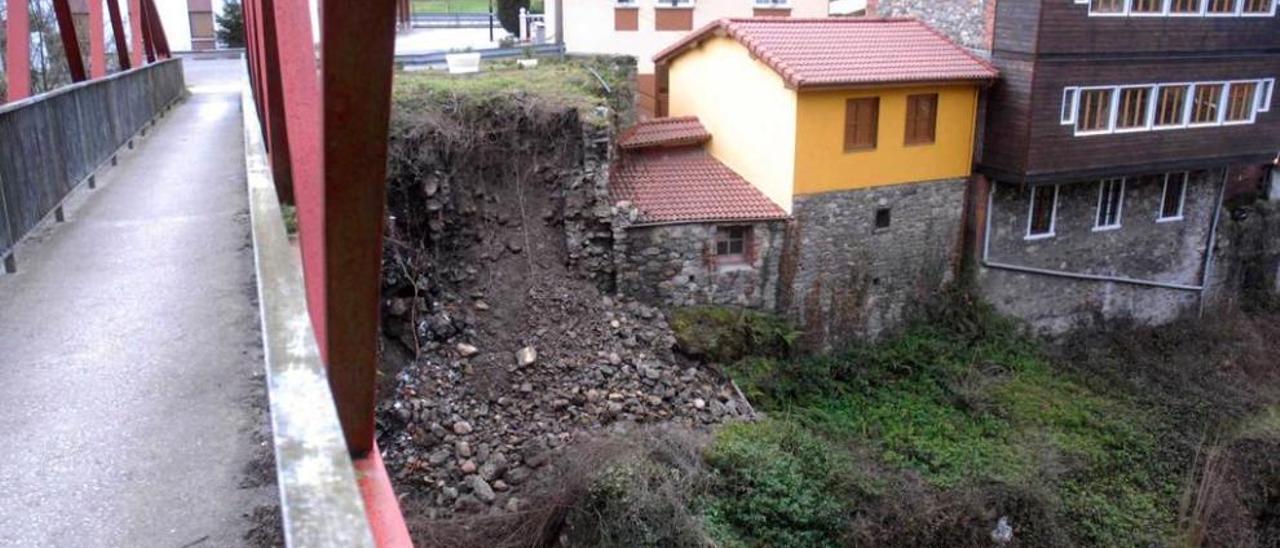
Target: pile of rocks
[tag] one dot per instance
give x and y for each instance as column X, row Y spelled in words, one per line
column 470, row 425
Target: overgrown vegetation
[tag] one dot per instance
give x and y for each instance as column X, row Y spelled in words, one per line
column 725, row 335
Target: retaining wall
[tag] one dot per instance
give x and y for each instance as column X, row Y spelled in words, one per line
column 51, row 142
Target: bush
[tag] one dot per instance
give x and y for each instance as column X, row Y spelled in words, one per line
column 726, row 335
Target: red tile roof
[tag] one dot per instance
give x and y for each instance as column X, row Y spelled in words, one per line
column 686, row 184
column 843, row 51
column 683, row 130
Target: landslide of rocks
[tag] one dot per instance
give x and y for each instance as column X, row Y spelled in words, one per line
column 503, row 344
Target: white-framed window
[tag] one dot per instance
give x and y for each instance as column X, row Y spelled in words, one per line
column 1069, row 105
column 1098, row 110
column 674, row 3
column 773, row 3
column 1180, row 8
column 1110, row 204
column 1173, row 198
column 1042, row 212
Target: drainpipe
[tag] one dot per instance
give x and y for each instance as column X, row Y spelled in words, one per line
column 986, row 251
column 1213, row 240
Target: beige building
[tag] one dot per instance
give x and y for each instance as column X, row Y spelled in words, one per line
column 642, row 28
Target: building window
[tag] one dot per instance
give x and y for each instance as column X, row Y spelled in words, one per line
column 1264, row 94
column 1206, row 104
column 1173, row 197
column 1133, row 109
column 1043, row 212
column 861, row 123
column 1094, row 112
column 883, row 218
column 1180, row 8
column 922, row 119
column 1107, row 6
column 1222, row 7
column 1185, row 7
column 1069, row 106
column 732, row 243
column 773, row 3
column 1259, row 7
column 1147, row 7
column 1110, row 204
column 1241, row 102
column 1171, row 103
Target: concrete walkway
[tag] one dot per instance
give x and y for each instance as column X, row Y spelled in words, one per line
column 131, row 400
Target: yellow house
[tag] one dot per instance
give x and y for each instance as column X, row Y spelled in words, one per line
column 805, row 106
column 862, row 131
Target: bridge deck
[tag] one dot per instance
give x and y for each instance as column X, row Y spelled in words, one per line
column 130, row 358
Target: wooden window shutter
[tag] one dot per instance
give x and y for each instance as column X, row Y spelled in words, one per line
column 922, row 119
column 861, row 121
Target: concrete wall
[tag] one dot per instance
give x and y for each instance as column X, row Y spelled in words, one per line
column 675, row 265
column 54, row 141
column 842, row 278
column 589, row 25
column 1141, row 249
column 822, row 164
column 746, row 107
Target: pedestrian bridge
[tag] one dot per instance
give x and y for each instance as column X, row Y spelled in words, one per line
column 162, row 378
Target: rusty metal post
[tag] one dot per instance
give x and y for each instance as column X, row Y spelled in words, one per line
column 117, row 32
column 17, row 57
column 356, row 65
column 97, row 40
column 161, row 43
column 70, row 44
column 276, row 135
column 138, row 48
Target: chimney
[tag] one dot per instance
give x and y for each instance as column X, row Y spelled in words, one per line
column 989, row 20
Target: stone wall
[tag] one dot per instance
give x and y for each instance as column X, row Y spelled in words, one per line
column 1246, row 259
column 843, row 278
column 675, row 265
column 1141, row 249
column 963, row 21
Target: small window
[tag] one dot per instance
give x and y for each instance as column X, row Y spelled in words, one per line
column 1240, row 101
column 1106, row 6
column 1147, row 7
column 861, row 123
column 1264, row 94
column 1134, row 104
column 1110, row 204
column 1185, row 7
column 1173, row 197
column 1171, row 103
column 1069, row 106
column 1044, row 210
column 1222, row 7
column 883, row 218
column 1094, row 110
column 1254, row 7
column 922, row 119
column 731, row 243
column 1206, row 103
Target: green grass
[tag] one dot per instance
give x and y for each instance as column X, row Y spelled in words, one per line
column 965, row 412
column 463, row 6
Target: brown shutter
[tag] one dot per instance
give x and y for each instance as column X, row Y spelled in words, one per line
column 861, row 120
column 922, row 119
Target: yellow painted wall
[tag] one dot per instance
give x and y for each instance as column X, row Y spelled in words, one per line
column 748, row 110
column 822, row 165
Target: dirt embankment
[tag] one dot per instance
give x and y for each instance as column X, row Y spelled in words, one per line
column 501, row 346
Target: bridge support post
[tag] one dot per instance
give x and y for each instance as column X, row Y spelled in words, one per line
column 10, row 264
column 70, row 44
column 135, row 32
column 17, row 59
column 97, row 41
column 117, row 32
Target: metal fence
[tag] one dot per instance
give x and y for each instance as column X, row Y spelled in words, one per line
column 455, row 20
column 437, row 59
column 52, row 142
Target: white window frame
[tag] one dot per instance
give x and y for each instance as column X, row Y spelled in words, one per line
column 1115, row 116
column 1186, row 100
column 1182, row 198
column 1102, row 193
column 1222, row 104
column 772, row 4
column 673, row 4
column 1053, row 214
column 1111, row 114
column 1070, row 96
column 1167, row 10
column 1253, row 108
column 1266, row 87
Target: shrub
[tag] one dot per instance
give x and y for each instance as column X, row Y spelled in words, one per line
column 726, row 335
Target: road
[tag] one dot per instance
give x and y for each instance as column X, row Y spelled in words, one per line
column 131, row 399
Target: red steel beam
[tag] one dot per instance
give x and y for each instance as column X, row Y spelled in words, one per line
column 117, row 32
column 70, row 44
column 157, row 30
column 17, row 55
column 137, row 48
column 274, row 105
column 356, row 63
column 97, row 41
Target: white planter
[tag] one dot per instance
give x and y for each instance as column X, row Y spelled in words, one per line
column 527, row 63
column 463, row 63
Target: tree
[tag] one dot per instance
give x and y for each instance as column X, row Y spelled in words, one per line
column 231, row 24
column 509, row 14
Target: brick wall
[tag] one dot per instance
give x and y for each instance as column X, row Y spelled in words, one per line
column 844, row 278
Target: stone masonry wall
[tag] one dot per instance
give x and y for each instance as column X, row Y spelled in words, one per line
column 675, row 265
column 843, row 278
column 1143, row 249
column 963, row 21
